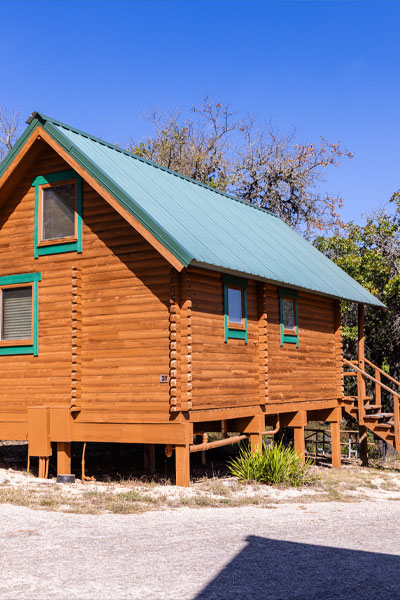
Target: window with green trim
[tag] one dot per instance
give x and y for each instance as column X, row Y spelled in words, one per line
column 235, row 308
column 288, row 316
column 19, row 314
column 58, row 213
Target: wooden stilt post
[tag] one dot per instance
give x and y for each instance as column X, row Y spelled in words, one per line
column 182, row 465
column 361, row 388
column 363, row 445
column 63, row 458
column 257, row 427
column 42, row 466
column 255, row 441
column 299, row 442
column 335, row 440
column 150, row 458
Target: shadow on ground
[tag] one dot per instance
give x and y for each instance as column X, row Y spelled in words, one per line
column 108, row 462
column 275, row 570
column 115, row 462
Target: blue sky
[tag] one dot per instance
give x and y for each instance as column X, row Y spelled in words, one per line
column 326, row 68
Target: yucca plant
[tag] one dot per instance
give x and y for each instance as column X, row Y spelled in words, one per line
column 274, row 464
column 248, row 466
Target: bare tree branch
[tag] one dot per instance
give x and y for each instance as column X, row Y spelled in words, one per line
column 9, row 125
column 248, row 159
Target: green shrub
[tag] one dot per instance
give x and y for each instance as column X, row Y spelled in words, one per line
column 272, row 465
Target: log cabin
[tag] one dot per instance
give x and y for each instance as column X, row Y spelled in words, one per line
column 140, row 306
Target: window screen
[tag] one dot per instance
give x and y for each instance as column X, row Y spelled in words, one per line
column 17, row 313
column 288, row 314
column 235, row 309
column 58, row 212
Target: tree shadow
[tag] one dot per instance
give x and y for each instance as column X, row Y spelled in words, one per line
column 278, row 570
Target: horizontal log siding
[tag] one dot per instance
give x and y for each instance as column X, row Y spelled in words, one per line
column 223, row 374
column 309, row 372
column 125, row 318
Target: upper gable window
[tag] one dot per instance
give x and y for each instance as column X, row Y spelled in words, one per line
column 58, row 213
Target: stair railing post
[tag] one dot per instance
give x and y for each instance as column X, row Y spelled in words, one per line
column 361, row 387
column 396, row 411
column 361, row 364
column 378, row 389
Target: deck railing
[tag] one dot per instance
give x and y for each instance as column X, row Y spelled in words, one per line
column 362, row 375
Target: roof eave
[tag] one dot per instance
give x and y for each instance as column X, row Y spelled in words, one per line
column 376, row 304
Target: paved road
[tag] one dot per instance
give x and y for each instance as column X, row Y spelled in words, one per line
column 316, row 552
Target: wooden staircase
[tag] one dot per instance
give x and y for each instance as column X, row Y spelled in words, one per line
column 367, row 410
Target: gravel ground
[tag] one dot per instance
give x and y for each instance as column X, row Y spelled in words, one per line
column 315, row 551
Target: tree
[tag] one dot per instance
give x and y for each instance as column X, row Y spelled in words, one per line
column 9, row 125
column 371, row 255
column 248, row 159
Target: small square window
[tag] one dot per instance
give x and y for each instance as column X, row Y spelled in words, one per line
column 19, row 314
column 288, row 316
column 58, row 212
column 16, row 313
column 235, row 308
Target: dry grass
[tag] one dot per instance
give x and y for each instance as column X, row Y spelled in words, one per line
column 350, row 484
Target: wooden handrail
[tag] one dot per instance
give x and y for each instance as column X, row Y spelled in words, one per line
column 385, row 387
column 361, row 410
column 382, row 372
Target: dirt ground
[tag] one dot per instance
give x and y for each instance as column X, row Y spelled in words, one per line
column 320, row 551
column 130, row 538
column 120, row 490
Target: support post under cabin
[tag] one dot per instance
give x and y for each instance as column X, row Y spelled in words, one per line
column 182, row 465
column 257, row 428
column 299, row 442
column 63, row 458
column 363, row 444
column 150, row 458
column 335, row 439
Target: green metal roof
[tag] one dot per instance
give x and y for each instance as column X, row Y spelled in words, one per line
column 198, row 224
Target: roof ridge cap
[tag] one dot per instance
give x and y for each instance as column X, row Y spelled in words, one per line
column 43, row 118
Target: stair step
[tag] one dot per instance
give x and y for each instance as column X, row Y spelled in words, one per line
column 379, row 416
column 355, row 399
column 372, row 406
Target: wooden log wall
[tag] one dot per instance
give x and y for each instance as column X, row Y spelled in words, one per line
column 309, row 372
column 122, row 300
column 225, row 375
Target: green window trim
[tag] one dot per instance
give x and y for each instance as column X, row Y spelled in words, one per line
column 238, row 334
column 75, row 246
column 33, row 278
column 285, row 338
